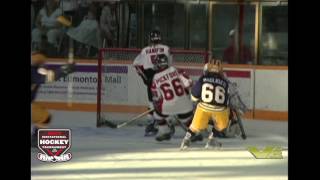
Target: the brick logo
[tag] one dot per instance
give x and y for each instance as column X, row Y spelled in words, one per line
column 54, row 143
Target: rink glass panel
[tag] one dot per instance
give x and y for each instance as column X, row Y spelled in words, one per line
column 274, row 34
column 191, row 24
column 198, row 26
column 167, row 17
column 227, row 17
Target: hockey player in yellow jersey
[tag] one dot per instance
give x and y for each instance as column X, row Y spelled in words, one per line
column 211, row 94
column 41, row 75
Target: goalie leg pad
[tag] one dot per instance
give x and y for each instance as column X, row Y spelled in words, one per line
column 164, row 120
column 165, row 131
column 151, row 128
column 159, row 117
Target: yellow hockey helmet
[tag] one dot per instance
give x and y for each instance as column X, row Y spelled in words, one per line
column 213, row 66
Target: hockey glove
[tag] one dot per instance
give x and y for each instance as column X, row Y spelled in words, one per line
column 65, row 70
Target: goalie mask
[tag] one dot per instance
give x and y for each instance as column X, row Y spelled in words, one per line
column 213, row 66
column 162, row 62
column 155, row 36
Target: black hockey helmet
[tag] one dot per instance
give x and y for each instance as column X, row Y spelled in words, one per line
column 155, row 36
column 162, row 62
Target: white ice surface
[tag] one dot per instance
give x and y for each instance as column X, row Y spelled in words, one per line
column 104, row 153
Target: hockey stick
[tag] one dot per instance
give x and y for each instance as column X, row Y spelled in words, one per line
column 117, row 126
column 183, row 126
column 234, row 108
column 70, row 61
column 243, row 104
column 68, row 23
column 243, row 133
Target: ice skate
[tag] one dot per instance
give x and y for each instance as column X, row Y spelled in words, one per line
column 151, row 129
column 186, row 141
column 197, row 137
column 212, row 143
column 164, row 133
column 162, row 137
column 185, row 144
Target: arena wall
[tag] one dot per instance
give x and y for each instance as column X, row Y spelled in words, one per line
column 264, row 89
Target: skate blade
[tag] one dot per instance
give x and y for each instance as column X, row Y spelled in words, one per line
column 218, row 146
column 151, row 134
column 183, row 148
column 160, row 140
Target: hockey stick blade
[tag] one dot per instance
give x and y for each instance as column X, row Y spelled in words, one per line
column 135, row 118
column 109, row 124
column 117, row 126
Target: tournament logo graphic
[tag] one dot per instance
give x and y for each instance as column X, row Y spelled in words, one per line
column 54, row 143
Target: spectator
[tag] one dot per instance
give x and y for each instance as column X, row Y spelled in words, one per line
column 86, row 32
column 230, row 54
column 82, row 11
column 114, row 25
column 68, row 6
column 47, row 27
column 70, row 9
column 32, row 16
column 108, row 25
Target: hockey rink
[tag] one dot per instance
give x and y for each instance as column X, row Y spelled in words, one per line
column 104, row 153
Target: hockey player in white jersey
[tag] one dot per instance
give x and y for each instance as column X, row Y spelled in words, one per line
column 144, row 64
column 171, row 97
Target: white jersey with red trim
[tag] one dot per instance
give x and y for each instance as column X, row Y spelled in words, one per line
column 170, row 89
column 148, row 55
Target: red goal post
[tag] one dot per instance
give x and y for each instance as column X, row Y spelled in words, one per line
column 114, row 64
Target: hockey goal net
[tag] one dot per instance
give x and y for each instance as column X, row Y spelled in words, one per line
column 121, row 93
